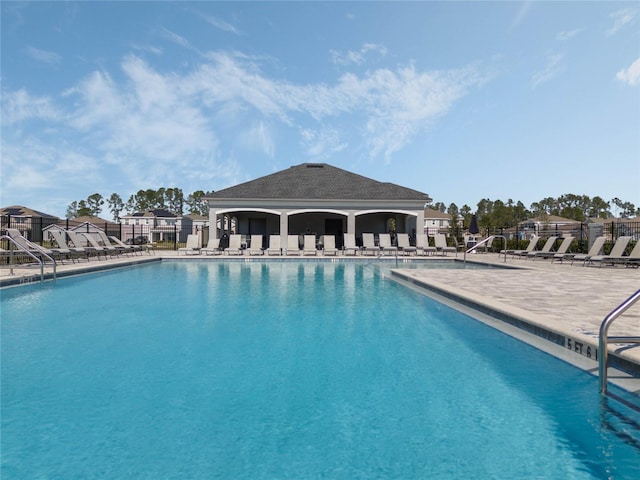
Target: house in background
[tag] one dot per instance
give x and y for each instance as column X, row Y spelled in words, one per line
column 29, row 222
column 436, row 221
column 157, row 225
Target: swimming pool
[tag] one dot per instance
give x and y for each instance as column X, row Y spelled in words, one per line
column 284, row 370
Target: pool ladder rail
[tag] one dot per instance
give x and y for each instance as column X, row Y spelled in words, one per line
column 484, row 242
column 604, row 338
column 34, row 248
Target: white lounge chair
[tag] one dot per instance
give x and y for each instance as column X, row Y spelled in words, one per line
column 596, row 249
column 562, row 249
column 79, row 241
column 274, row 245
column 293, row 245
column 108, row 245
column 384, row 240
column 350, row 244
column 441, row 245
column 96, row 246
column 309, row 247
column 35, row 249
column 546, row 248
column 60, row 238
column 533, row 241
column 192, row 247
column 132, row 248
column 235, row 245
column 369, row 245
column 631, row 260
column 212, row 248
column 422, row 245
column 404, row 245
column 329, row 246
column 616, row 251
column 256, row 245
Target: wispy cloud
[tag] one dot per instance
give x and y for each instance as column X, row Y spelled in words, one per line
column 551, row 70
column 43, row 56
column 621, row 18
column 356, row 57
column 320, row 144
column 220, row 24
column 631, row 75
column 153, row 126
column 174, row 37
column 19, row 106
column 568, row 34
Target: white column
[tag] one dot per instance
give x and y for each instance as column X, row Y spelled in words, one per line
column 420, row 221
column 351, row 223
column 284, row 228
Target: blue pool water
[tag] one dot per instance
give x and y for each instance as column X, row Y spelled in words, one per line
column 210, row 370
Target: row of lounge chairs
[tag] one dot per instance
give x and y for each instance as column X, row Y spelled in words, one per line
column 592, row 258
column 369, row 247
column 73, row 246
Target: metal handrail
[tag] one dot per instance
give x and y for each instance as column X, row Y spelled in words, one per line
column 604, row 339
column 35, row 247
column 485, row 241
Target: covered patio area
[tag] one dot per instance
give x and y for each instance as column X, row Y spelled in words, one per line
column 316, row 199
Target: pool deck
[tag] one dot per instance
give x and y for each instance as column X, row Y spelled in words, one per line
column 562, row 303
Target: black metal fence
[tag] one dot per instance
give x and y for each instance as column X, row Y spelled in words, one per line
column 35, row 230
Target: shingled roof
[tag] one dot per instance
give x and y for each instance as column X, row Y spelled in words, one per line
column 318, row 181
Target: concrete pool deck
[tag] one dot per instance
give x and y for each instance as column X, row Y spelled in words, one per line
column 563, row 301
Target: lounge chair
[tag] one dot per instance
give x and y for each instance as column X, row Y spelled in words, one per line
column 369, row 245
column 107, row 243
column 403, row 244
column 192, row 247
column 533, row 241
column 235, row 245
column 37, row 250
column 384, row 240
column 309, row 247
column 329, row 246
column 616, row 252
column 256, row 245
column 132, row 248
column 596, row 249
column 546, row 248
column 441, row 244
column 212, row 248
column 60, row 238
column 80, row 241
column 274, row 245
column 631, row 260
column 562, row 249
column 96, row 246
column 422, row 245
column 350, row 244
column 293, row 245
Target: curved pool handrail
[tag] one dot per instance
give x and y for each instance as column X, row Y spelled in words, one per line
column 604, row 339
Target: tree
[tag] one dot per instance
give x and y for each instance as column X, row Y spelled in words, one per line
column 116, row 205
column 439, row 206
column 72, row 210
column 94, row 204
column 196, row 204
column 84, row 210
column 174, row 200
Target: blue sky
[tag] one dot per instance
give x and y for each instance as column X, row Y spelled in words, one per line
column 460, row 100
